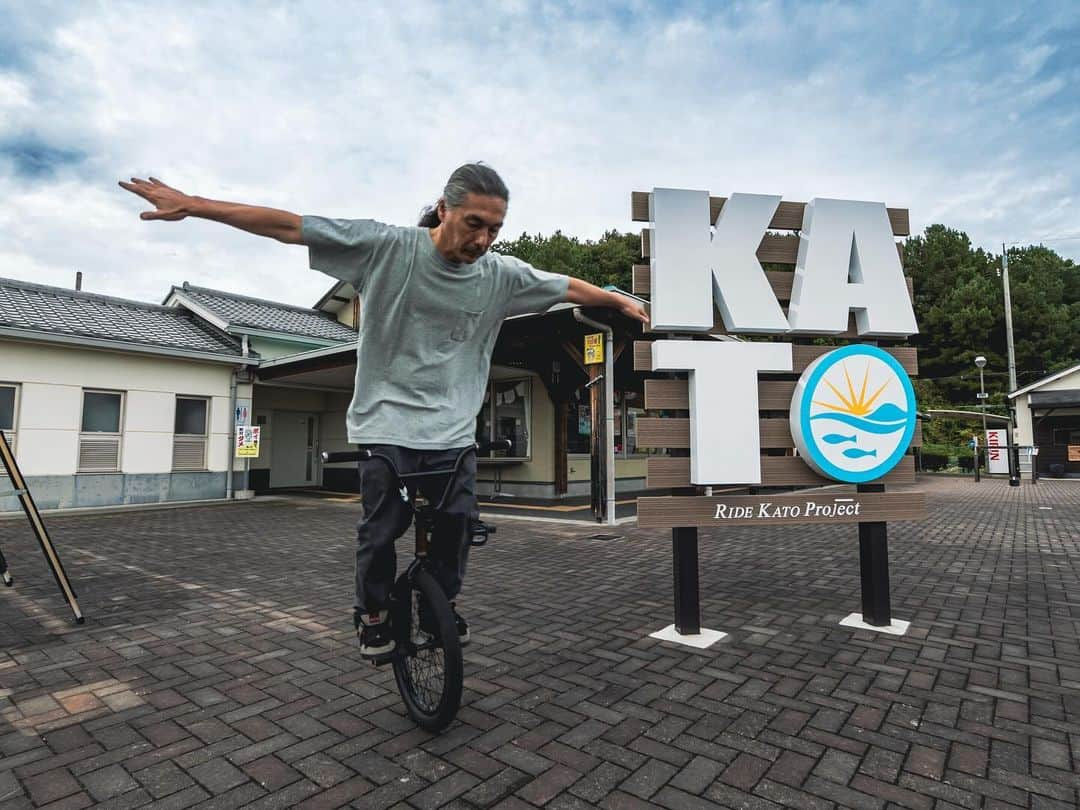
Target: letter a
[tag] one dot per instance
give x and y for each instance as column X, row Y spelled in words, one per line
column 848, row 262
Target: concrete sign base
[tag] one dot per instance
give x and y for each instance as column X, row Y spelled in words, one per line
column 702, row 640
column 895, row 628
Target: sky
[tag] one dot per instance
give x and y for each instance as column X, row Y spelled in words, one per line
column 967, row 114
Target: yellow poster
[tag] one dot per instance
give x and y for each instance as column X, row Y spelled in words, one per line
column 594, row 348
column 247, row 441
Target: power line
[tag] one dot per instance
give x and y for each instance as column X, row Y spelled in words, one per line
column 1041, row 239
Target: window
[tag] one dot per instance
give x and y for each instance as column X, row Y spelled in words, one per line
column 7, row 417
column 507, row 414
column 578, row 425
column 1066, row 436
column 189, row 433
column 99, row 441
column 7, row 408
column 627, row 412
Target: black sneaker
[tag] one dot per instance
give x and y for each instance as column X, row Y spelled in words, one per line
column 374, row 631
column 427, row 623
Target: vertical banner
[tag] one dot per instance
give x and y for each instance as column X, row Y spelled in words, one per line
column 996, row 454
column 247, row 442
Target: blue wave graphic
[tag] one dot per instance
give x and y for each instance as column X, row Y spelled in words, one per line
column 888, row 413
column 867, row 424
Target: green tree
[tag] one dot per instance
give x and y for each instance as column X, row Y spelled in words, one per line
column 959, row 304
column 608, row 260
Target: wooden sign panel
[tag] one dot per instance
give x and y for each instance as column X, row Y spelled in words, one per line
column 1074, row 452
column 762, row 510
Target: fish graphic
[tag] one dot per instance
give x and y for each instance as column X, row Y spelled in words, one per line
column 855, row 452
column 836, row 438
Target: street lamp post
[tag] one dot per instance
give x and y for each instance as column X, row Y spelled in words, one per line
column 980, row 362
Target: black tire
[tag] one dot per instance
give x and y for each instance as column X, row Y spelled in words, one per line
column 428, row 669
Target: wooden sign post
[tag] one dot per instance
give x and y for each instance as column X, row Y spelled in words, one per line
column 824, row 414
column 7, row 458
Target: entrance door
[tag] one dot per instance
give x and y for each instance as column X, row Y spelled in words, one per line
column 295, row 447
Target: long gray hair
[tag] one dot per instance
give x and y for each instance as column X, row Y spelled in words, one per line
column 472, row 178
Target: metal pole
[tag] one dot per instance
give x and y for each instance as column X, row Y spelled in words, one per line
column 684, row 547
column 976, row 450
column 1008, row 318
column 230, row 459
column 1013, row 456
column 609, row 405
column 874, row 568
column 982, row 400
column 982, row 407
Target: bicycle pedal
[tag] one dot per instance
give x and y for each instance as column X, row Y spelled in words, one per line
column 379, row 660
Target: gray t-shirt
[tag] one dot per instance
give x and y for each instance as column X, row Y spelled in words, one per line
column 427, row 327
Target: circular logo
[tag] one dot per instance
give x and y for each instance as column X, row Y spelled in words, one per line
column 853, row 414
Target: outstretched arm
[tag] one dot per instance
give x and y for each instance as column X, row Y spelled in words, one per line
column 171, row 204
column 589, row 295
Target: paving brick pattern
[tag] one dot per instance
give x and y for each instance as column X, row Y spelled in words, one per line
column 217, row 668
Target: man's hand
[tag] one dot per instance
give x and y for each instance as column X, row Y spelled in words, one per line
column 172, row 204
column 169, row 203
column 589, row 295
column 633, row 309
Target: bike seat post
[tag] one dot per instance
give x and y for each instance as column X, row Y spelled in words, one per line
column 422, row 523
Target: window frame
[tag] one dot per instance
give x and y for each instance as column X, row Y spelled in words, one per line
column 206, row 418
column 11, row 434
column 102, row 434
column 14, row 429
column 204, row 437
column 489, row 401
column 120, row 419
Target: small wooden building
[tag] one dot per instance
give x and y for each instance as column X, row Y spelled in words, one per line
column 1048, row 418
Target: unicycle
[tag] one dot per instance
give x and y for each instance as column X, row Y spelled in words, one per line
column 426, row 658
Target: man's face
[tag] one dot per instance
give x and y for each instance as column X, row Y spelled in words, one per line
column 470, row 229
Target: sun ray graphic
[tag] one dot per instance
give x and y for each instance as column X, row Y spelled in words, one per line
column 855, row 404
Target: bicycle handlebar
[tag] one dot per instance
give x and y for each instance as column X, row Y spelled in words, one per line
column 364, row 455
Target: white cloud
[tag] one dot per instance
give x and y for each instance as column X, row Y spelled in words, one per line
column 362, row 110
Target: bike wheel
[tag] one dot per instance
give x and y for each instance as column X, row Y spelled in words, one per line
column 427, row 666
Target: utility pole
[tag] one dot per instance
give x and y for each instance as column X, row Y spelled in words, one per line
column 1008, row 317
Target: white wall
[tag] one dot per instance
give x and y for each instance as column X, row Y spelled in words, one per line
column 329, row 405
column 52, row 379
column 1024, row 428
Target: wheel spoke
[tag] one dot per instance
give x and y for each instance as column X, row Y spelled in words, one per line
column 426, row 668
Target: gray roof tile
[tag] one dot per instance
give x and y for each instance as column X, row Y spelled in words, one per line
column 57, row 310
column 256, row 313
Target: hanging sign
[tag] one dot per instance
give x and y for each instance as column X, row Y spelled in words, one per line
column 997, row 459
column 594, row 348
column 247, row 442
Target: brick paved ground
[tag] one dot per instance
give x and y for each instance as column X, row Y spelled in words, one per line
column 217, row 667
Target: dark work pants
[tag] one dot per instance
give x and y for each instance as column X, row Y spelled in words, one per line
column 387, row 515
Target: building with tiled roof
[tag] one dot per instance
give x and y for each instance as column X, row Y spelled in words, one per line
column 272, row 328
column 110, row 401
column 59, row 315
